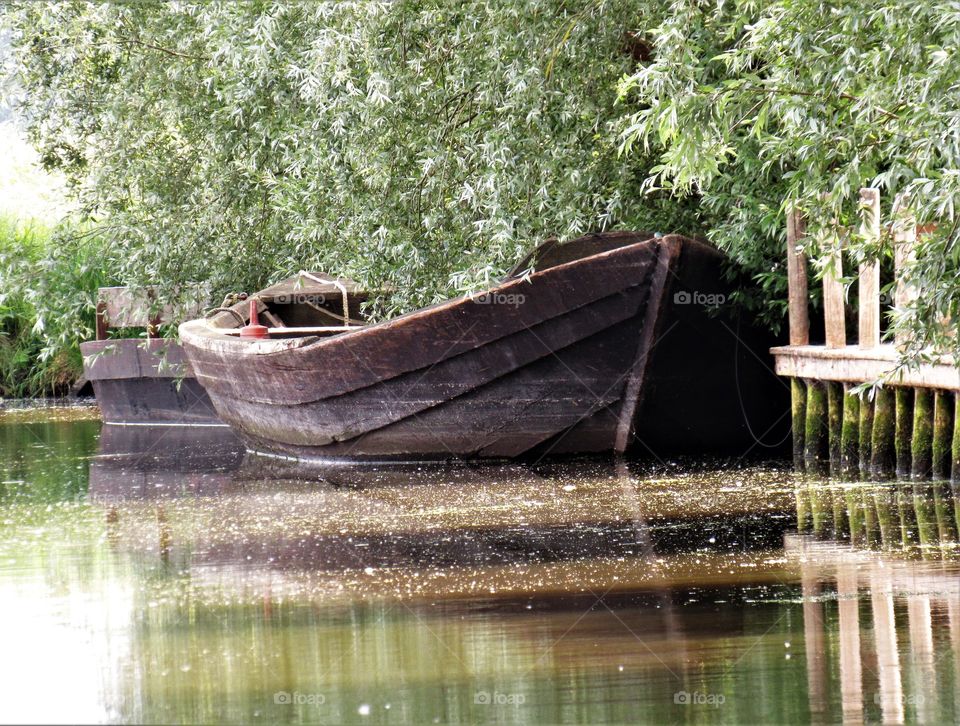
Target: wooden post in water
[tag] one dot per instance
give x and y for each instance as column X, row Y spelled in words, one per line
column 922, row 434
column 942, row 434
column 866, row 434
column 883, row 462
column 799, row 323
column 904, row 431
column 834, row 423
column 850, row 434
column 815, row 431
column 870, row 272
column 798, row 408
column 955, row 464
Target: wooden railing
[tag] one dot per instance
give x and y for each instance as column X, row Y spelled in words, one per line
column 907, row 425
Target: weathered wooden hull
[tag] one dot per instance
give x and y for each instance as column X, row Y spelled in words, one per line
column 140, row 381
column 557, row 363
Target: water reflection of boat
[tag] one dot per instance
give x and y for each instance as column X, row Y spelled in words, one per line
column 460, row 532
column 148, row 462
column 615, row 339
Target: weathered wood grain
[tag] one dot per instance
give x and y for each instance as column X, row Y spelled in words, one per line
column 554, row 362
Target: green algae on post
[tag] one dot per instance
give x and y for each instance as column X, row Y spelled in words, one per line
column 798, row 410
column 834, row 423
column 866, row 432
column 904, row 433
column 850, row 435
column 942, row 433
column 922, row 448
column 815, row 430
column 883, row 459
column 955, row 458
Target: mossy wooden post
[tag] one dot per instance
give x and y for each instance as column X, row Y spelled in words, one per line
column 942, row 434
column 904, row 431
column 883, row 461
column 834, row 424
column 922, row 433
column 866, row 434
column 799, row 322
column 850, row 434
column 798, row 398
column 815, row 436
column 955, row 464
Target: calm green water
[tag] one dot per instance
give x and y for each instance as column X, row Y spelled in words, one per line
column 157, row 575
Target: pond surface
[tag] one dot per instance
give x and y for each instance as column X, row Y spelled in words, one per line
column 163, row 575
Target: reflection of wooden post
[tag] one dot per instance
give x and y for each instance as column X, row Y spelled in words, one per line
column 882, row 499
column 851, row 669
column 871, row 522
column 885, row 637
column 797, row 280
column 921, row 648
column 953, row 614
column 904, row 252
column 870, row 272
column 813, row 639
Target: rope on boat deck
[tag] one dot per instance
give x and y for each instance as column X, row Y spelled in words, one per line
column 233, row 312
column 340, row 286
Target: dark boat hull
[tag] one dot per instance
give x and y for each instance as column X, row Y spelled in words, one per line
column 556, row 364
column 139, row 381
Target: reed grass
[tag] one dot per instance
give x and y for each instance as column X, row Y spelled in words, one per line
column 48, row 282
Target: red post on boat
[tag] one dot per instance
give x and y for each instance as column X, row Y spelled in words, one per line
column 253, row 329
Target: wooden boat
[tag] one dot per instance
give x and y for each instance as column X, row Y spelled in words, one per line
column 609, row 345
column 141, row 380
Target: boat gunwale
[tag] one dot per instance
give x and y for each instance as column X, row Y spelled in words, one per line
column 198, row 332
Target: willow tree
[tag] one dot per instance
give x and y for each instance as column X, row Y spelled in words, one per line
column 418, row 145
column 756, row 105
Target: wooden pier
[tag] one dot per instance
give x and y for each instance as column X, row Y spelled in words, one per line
column 908, row 427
